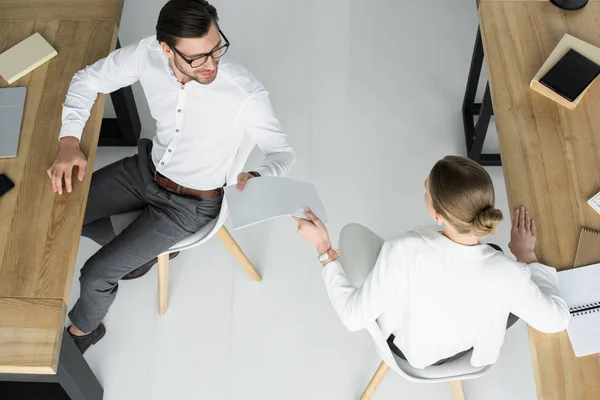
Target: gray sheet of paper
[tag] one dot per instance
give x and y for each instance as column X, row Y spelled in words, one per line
column 266, row 198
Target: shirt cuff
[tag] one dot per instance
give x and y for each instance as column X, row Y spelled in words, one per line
column 71, row 129
column 263, row 170
column 331, row 268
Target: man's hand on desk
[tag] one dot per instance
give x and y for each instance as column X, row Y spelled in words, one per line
column 244, row 177
column 69, row 156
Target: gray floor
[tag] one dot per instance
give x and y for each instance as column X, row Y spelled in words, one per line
column 370, row 94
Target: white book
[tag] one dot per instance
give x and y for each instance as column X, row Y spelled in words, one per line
column 266, row 198
column 580, row 288
column 24, row 57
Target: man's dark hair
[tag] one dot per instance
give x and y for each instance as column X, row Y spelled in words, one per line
column 185, row 19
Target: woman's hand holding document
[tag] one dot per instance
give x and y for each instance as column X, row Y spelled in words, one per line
column 266, row 198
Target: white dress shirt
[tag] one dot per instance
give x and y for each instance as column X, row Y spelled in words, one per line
column 198, row 127
column 440, row 298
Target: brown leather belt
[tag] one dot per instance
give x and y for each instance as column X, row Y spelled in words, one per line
column 185, row 191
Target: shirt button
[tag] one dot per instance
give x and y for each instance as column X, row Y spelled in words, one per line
column 179, row 110
column 182, row 88
column 170, row 150
column 162, row 163
column 177, row 130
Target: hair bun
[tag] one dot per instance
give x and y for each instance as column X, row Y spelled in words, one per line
column 486, row 222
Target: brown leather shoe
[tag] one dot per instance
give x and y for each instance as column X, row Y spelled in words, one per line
column 143, row 270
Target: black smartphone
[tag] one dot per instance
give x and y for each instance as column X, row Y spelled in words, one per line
column 5, row 184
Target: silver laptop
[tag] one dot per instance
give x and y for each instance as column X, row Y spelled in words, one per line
column 12, row 103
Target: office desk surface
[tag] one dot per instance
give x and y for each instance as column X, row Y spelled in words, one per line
column 40, row 231
column 550, row 157
column 61, row 10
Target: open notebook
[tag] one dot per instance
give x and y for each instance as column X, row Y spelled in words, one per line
column 580, row 288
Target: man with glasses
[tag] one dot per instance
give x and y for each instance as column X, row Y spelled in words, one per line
column 203, row 107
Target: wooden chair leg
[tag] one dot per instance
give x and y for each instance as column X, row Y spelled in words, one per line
column 229, row 242
column 163, row 283
column 457, row 390
column 375, row 381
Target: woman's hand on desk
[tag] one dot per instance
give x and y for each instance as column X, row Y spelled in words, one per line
column 69, row 156
column 522, row 236
column 314, row 231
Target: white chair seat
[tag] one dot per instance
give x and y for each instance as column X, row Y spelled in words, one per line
column 195, row 239
column 459, row 369
column 122, row 221
column 214, row 227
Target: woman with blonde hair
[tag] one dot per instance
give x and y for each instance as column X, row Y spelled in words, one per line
column 439, row 294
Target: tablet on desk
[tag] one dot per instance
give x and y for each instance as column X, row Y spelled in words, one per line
column 12, row 103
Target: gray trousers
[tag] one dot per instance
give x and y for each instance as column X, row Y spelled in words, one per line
column 166, row 218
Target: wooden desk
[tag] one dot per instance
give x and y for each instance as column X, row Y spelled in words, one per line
column 39, row 231
column 550, row 157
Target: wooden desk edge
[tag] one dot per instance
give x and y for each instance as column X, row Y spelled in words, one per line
column 62, row 10
column 537, row 377
column 20, row 329
column 20, row 370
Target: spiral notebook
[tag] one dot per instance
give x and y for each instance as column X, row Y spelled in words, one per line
column 580, row 288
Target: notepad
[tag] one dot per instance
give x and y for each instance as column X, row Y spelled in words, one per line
column 580, row 288
column 588, row 248
column 24, row 57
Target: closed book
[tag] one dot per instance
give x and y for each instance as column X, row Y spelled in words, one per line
column 24, row 57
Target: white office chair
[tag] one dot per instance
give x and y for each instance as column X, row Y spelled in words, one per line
column 359, row 249
column 215, row 227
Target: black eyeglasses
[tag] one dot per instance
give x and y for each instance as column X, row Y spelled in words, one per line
column 200, row 60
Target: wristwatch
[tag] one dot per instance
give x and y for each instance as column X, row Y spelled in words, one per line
column 330, row 255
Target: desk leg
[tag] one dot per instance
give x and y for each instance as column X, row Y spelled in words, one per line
column 475, row 133
column 485, row 114
column 73, row 381
column 75, row 375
